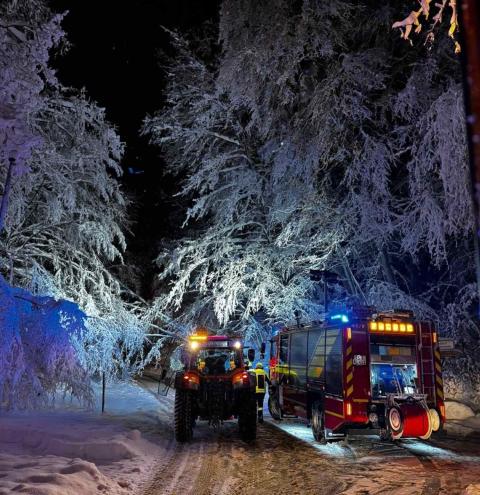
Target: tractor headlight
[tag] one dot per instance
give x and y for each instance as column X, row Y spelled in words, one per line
column 194, row 345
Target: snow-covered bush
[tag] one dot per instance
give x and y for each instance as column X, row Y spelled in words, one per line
column 39, row 358
column 12, row 359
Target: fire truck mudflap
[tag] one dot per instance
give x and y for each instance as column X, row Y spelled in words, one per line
column 368, row 370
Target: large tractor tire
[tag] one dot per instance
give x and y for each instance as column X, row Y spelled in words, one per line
column 247, row 418
column 183, row 416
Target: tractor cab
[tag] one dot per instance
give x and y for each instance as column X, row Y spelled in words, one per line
column 214, row 354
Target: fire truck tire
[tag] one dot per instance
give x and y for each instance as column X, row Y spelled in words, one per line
column 318, row 422
column 184, row 420
column 274, row 407
column 394, row 422
column 247, row 418
column 434, row 419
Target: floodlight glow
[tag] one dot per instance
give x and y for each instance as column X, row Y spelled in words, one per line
column 342, row 318
column 237, row 345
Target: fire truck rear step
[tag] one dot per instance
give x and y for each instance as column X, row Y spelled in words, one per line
column 362, row 432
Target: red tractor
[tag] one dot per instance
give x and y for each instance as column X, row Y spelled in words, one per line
column 214, row 386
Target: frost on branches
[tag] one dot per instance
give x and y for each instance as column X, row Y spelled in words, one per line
column 316, row 140
column 63, row 214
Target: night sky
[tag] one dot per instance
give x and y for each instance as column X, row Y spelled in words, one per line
column 115, row 52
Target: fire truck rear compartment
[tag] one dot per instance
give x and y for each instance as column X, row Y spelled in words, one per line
column 366, row 375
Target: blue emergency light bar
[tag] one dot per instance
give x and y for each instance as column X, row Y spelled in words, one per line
column 342, row 318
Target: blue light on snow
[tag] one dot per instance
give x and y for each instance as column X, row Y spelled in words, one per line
column 342, row 318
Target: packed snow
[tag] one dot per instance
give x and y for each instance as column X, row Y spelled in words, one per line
column 68, row 452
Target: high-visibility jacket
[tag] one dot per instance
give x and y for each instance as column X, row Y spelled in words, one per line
column 261, row 379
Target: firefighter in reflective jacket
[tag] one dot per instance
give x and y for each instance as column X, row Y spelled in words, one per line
column 261, row 388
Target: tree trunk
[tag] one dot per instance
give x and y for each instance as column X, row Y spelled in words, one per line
column 6, row 193
column 347, row 276
column 386, row 268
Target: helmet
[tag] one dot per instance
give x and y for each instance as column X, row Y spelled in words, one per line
column 259, row 366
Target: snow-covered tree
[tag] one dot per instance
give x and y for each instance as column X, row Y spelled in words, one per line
column 254, row 255
column 63, row 220
column 24, row 74
column 315, row 139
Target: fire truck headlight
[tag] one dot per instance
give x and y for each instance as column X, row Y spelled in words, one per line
column 373, row 417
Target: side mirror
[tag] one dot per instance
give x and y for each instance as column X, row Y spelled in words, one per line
column 262, row 350
column 251, row 355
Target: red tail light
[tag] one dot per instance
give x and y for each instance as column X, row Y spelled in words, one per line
column 191, row 380
column 241, row 379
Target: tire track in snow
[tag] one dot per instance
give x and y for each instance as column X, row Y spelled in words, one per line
column 287, row 462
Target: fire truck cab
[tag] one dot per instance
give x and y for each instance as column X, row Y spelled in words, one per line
column 359, row 369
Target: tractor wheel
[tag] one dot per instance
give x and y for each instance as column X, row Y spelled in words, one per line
column 318, row 423
column 247, row 418
column 184, row 420
column 274, row 406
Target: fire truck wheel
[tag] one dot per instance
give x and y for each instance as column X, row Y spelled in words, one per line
column 247, row 418
column 395, row 422
column 274, row 407
column 318, row 422
column 183, row 416
column 434, row 419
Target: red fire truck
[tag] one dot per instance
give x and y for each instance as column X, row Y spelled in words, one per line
column 360, row 369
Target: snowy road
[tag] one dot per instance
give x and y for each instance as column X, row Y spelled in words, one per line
column 286, row 460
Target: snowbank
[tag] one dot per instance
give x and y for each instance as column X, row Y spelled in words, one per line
column 69, row 452
column 457, row 410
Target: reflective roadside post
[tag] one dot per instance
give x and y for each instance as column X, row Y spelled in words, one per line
column 103, row 392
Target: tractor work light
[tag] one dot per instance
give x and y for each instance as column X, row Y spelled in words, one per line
column 194, row 345
column 382, row 326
